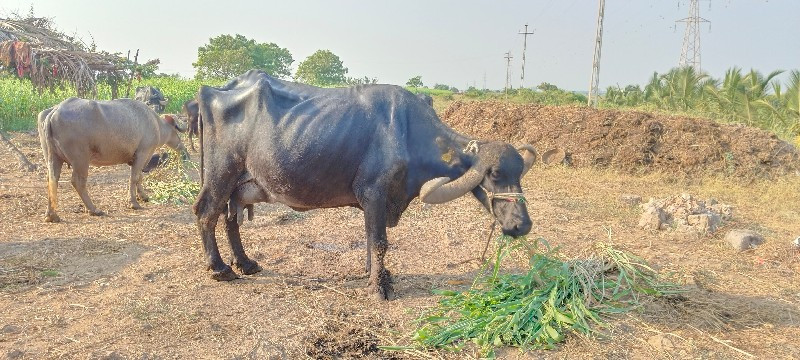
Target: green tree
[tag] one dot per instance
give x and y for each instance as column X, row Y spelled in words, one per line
column 415, row 82
column 322, row 68
column 441, row 87
column 227, row 56
column 547, row 87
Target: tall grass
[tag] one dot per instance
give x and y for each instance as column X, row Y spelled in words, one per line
column 20, row 102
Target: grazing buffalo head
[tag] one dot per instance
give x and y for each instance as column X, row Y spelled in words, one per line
column 169, row 129
column 494, row 179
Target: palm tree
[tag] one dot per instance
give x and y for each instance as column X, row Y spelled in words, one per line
column 791, row 100
column 683, row 89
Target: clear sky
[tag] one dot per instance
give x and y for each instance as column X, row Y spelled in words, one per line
column 453, row 42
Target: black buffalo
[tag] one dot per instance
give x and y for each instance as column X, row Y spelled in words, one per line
column 425, row 98
column 374, row 147
column 191, row 110
column 152, row 96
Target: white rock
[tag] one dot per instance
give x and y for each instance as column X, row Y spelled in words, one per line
column 653, row 218
column 744, row 239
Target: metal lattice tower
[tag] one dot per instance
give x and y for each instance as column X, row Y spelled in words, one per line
column 690, row 52
column 595, row 82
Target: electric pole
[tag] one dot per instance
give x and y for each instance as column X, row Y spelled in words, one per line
column 508, row 58
column 690, row 52
column 524, row 47
column 595, row 81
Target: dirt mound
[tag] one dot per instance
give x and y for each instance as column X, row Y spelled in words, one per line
column 631, row 141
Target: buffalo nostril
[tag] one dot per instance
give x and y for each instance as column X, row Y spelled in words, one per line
column 523, row 228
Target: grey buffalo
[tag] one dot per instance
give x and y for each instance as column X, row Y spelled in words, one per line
column 86, row 132
column 373, row 147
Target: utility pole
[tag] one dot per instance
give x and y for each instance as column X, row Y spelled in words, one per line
column 524, row 47
column 508, row 58
column 690, row 52
column 484, row 81
column 595, row 81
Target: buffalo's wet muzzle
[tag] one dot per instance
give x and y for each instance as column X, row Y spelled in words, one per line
column 518, row 228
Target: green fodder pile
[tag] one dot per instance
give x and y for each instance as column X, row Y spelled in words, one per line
column 171, row 182
column 537, row 308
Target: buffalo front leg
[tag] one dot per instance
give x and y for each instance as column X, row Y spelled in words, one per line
column 54, row 165
column 80, row 172
column 244, row 264
column 208, row 209
column 139, row 161
column 380, row 282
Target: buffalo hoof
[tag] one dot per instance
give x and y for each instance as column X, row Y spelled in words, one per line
column 96, row 213
column 136, row 207
column 52, row 218
column 383, row 293
column 249, row 267
column 381, row 288
column 225, row 274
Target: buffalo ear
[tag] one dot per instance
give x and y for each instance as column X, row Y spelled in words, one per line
column 529, row 156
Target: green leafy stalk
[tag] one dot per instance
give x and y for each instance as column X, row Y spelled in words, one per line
column 537, row 309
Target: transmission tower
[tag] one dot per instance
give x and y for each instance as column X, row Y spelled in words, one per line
column 595, row 82
column 690, row 52
column 524, row 47
column 508, row 58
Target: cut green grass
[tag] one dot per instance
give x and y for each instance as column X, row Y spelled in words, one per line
column 537, row 309
column 170, row 183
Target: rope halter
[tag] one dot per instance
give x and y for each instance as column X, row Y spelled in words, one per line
column 508, row 196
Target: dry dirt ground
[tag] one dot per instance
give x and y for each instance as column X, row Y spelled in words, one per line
column 132, row 284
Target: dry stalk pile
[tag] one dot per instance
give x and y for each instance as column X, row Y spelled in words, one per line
column 30, row 48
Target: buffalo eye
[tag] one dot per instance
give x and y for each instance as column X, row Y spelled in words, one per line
column 494, row 174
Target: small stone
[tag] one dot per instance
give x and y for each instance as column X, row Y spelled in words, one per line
column 796, row 243
column 661, row 343
column 631, row 200
column 11, row 329
column 15, row 354
column 744, row 239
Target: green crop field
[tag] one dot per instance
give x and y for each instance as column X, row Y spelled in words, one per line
column 20, row 102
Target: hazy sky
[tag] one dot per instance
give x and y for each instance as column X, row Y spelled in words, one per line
column 453, row 42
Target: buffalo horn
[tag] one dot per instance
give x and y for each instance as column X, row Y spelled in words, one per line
column 441, row 190
column 528, row 157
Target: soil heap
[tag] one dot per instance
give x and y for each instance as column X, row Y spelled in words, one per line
column 631, row 141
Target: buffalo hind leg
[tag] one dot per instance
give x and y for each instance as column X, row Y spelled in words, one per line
column 54, row 165
column 208, row 208
column 380, row 281
column 240, row 261
column 80, row 172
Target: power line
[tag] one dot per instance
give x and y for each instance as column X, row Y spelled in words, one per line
column 595, row 81
column 690, row 51
column 524, row 48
